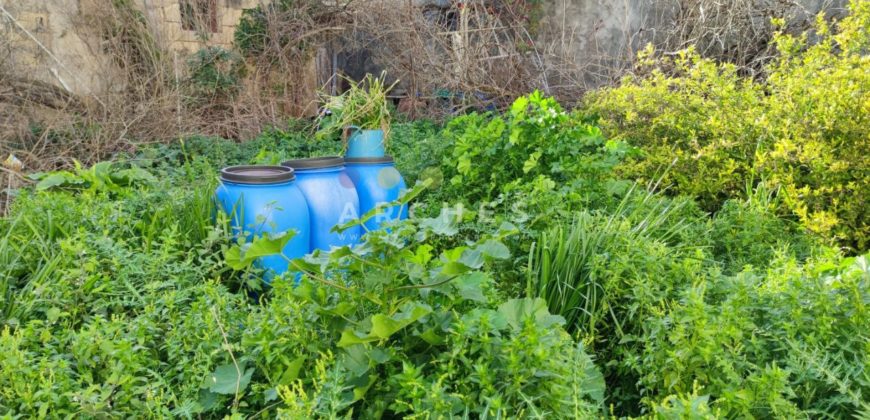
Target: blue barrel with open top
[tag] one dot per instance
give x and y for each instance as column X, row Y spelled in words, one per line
column 265, row 199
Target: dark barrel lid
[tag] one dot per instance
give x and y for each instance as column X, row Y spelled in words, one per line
column 257, row 174
column 383, row 159
column 314, row 163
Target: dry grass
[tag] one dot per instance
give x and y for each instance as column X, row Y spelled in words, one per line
column 737, row 31
column 481, row 50
column 482, row 54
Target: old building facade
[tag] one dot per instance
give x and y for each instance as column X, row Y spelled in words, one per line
column 52, row 41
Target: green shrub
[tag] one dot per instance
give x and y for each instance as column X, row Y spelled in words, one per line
column 698, row 119
column 566, row 267
column 608, row 274
column 215, row 74
column 121, row 298
column 279, row 25
column 749, row 232
column 414, row 330
column 817, row 117
column 787, row 343
column 537, row 142
column 418, row 147
column 676, row 335
column 803, row 128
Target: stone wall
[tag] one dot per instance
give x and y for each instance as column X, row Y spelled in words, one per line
column 166, row 17
column 50, row 40
column 603, row 36
column 41, row 37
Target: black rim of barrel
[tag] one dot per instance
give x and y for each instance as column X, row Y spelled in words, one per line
column 257, row 174
column 314, row 163
column 383, row 159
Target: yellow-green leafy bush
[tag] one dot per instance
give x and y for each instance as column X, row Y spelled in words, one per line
column 817, row 118
column 690, row 112
column 804, row 128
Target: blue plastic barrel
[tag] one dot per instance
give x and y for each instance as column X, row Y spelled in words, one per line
column 377, row 181
column 365, row 143
column 332, row 200
column 266, row 199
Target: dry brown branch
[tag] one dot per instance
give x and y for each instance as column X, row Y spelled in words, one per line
column 450, row 56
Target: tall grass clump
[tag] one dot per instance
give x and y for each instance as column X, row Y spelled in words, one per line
column 564, row 263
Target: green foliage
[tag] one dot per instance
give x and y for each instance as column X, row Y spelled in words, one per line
column 803, row 128
column 419, row 332
column 102, row 177
column 363, row 106
column 567, row 267
column 547, row 288
column 748, row 232
column 698, row 120
column 421, row 147
column 680, row 336
column 786, row 343
column 537, row 145
column 260, row 28
column 251, row 35
column 215, row 74
column 817, row 118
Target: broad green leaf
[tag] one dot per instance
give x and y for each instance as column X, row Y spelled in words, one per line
column 593, row 381
column 463, row 166
column 445, row 224
column 307, row 263
column 36, row 176
column 360, row 391
column 432, row 337
column 423, row 254
column 383, row 326
column 495, row 319
column 516, row 311
column 412, row 312
column 58, row 179
column 228, row 380
column 470, row 285
column 131, row 176
column 340, row 252
column 472, row 258
column 341, row 309
column 292, row 372
column 350, row 337
column 102, row 169
column 379, row 356
column 507, row 228
column 240, row 257
column 270, row 394
column 453, row 254
column 454, row 268
column 233, row 258
column 356, row 359
column 520, row 106
column 207, row 400
column 494, row 249
column 531, row 162
column 269, row 244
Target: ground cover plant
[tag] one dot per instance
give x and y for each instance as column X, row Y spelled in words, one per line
column 557, row 265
